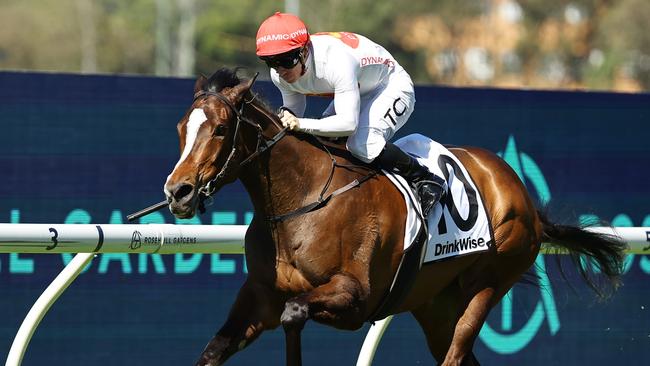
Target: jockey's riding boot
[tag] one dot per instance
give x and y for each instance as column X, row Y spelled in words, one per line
column 429, row 187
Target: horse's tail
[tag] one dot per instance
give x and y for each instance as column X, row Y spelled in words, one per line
column 607, row 252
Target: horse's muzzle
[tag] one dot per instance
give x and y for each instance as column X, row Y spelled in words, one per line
column 183, row 199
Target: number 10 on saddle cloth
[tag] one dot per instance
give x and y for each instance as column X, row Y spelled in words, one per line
column 458, row 225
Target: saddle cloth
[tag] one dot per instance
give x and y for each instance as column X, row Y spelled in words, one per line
column 459, row 224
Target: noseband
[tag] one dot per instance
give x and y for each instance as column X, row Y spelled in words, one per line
column 263, row 143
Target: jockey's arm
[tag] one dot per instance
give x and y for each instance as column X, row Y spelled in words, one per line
column 347, row 102
column 343, row 123
column 296, row 102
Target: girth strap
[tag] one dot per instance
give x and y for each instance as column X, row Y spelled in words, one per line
column 408, row 269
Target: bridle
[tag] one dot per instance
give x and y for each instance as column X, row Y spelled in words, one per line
column 263, row 143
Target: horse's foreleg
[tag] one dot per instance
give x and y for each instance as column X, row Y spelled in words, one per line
column 252, row 313
column 336, row 303
column 293, row 320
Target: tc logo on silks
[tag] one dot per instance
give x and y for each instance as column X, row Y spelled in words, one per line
column 512, row 342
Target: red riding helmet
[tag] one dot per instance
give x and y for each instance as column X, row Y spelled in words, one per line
column 280, row 33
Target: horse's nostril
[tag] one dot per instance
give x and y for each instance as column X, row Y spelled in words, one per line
column 182, row 191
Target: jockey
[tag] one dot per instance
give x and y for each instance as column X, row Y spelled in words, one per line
column 373, row 94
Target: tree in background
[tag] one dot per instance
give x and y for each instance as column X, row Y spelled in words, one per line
column 625, row 42
column 108, row 36
column 174, row 43
column 596, row 44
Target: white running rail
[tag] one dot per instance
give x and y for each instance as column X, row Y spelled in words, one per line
column 118, row 238
column 89, row 239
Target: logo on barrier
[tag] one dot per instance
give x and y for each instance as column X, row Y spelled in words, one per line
column 136, row 240
column 647, row 238
column 510, row 342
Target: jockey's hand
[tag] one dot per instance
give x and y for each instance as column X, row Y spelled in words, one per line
column 289, row 120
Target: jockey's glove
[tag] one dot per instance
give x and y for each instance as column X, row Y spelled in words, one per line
column 289, row 119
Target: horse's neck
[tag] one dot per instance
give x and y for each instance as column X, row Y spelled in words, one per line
column 288, row 176
column 284, row 177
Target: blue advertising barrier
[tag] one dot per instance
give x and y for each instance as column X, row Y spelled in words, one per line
column 90, row 149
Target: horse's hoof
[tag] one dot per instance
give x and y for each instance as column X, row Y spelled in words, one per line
column 215, row 352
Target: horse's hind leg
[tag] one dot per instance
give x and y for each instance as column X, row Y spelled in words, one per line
column 453, row 319
column 252, row 313
column 438, row 320
column 468, row 327
column 482, row 286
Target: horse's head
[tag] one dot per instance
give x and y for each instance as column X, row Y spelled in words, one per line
column 208, row 135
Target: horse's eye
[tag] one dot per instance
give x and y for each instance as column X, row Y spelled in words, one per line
column 220, row 130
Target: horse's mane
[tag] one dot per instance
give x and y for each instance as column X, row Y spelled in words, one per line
column 221, row 79
column 228, row 78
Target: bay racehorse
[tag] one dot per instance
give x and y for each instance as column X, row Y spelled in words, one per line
column 331, row 258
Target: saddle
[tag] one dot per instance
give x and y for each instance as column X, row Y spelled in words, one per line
column 458, row 225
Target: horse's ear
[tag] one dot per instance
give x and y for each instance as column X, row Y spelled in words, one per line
column 236, row 93
column 200, row 82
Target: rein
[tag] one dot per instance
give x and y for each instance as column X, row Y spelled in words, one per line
column 322, row 199
column 264, row 144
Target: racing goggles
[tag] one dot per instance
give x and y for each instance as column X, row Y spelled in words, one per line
column 287, row 60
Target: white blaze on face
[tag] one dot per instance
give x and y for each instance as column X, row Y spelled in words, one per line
column 197, row 117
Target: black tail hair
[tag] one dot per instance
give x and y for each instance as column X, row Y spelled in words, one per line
column 608, row 251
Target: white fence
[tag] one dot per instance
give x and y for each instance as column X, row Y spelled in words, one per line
column 89, row 240
column 118, row 238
